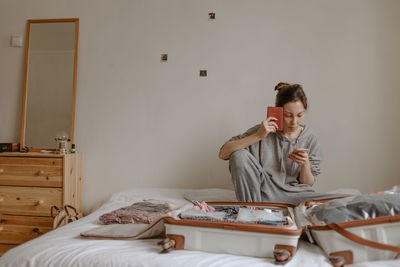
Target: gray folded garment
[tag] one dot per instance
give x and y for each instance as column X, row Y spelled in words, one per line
column 360, row 207
column 257, row 216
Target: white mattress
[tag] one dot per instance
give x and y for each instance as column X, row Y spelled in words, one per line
column 64, row 246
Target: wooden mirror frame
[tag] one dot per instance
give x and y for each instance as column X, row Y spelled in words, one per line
column 25, row 90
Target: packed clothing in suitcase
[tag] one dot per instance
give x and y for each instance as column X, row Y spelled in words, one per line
column 350, row 229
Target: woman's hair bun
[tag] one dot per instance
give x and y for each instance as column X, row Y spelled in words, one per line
column 280, row 85
column 289, row 93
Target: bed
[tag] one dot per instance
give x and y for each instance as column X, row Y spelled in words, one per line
column 65, row 247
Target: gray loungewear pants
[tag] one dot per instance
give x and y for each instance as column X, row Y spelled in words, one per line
column 253, row 184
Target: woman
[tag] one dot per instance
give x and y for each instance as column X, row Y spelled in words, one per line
column 263, row 162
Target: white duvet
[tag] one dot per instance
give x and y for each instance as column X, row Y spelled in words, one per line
column 65, row 247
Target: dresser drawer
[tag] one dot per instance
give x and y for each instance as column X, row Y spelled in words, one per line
column 19, row 229
column 31, row 171
column 18, row 200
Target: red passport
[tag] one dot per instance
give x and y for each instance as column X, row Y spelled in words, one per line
column 276, row 112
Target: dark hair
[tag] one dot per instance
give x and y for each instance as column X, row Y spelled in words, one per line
column 289, row 93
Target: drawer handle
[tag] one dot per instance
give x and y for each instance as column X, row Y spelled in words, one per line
column 36, row 230
column 41, row 172
column 40, row 202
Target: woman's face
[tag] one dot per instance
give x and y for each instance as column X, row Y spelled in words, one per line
column 293, row 115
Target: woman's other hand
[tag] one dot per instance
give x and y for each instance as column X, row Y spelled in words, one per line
column 267, row 126
column 300, row 157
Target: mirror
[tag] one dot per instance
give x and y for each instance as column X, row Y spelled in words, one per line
column 48, row 108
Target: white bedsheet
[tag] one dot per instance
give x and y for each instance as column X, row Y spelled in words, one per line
column 64, row 246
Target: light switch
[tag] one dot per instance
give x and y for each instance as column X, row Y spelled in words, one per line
column 16, row 41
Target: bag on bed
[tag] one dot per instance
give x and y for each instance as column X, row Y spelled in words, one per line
column 355, row 229
column 64, row 216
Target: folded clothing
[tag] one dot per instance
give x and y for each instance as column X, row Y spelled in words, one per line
column 262, row 216
column 236, row 214
column 360, row 207
column 231, row 212
column 194, row 214
column 140, row 212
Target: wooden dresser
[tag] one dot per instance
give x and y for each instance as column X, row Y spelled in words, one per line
column 30, row 183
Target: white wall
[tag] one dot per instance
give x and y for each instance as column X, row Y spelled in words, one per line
column 141, row 122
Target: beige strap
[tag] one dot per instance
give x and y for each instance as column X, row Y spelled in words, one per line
column 53, row 209
column 63, row 216
column 75, row 214
column 58, row 223
column 362, row 241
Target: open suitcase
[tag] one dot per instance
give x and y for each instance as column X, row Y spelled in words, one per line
column 234, row 237
column 354, row 241
column 344, row 243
